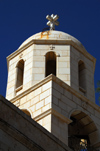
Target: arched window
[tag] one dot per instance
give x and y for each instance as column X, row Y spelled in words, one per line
column 50, row 63
column 20, row 72
column 82, row 75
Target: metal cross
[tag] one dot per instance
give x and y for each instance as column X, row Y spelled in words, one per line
column 52, row 21
column 51, row 47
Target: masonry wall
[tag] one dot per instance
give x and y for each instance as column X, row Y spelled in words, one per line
column 27, row 56
column 19, row 132
column 34, row 67
column 51, row 103
column 76, row 56
column 37, row 102
column 66, row 101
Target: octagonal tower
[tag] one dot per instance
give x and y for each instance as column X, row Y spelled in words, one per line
column 51, row 79
column 70, row 62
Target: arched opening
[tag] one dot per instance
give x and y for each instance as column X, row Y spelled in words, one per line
column 26, row 112
column 20, row 73
column 80, row 131
column 50, row 63
column 82, row 75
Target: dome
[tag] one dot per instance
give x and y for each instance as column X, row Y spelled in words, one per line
column 52, row 35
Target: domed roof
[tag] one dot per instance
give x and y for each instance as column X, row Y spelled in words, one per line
column 52, row 35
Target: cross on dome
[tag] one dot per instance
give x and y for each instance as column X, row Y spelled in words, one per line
column 52, row 21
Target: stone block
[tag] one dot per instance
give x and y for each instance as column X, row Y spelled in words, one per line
column 47, row 127
column 63, row 59
column 39, row 105
column 63, row 77
column 35, row 100
column 55, row 100
column 39, row 64
column 27, row 104
column 36, row 113
column 77, row 100
column 56, row 93
column 37, row 70
column 46, row 107
column 23, row 100
column 37, row 91
column 32, row 108
column 57, row 108
column 48, row 100
column 62, row 64
column 55, row 120
column 38, row 77
column 37, row 52
column 67, row 94
column 62, row 105
column 46, row 86
column 11, row 90
column 56, row 130
column 47, row 120
column 39, row 58
column 57, row 87
column 30, row 95
column 64, row 71
column 44, row 94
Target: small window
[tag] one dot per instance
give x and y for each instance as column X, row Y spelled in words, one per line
column 82, row 76
column 50, row 63
column 20, row 72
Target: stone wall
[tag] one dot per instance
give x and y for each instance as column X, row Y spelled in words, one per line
column 52, row 102
column 19, row 132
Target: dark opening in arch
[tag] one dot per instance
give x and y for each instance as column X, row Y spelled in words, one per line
column 50, row 63
column 20, row 73
column 80, row 130
column 82, row 75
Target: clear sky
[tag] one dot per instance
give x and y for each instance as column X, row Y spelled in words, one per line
column 19, row 19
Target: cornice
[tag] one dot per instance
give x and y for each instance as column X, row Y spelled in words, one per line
column 56, row 42
column 54, row 112
column 62, row 84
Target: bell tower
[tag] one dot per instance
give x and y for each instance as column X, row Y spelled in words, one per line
column 51, row 79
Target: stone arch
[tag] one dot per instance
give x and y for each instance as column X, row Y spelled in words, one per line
column 82, row 128
column 19, row 61
column 27, row 111
column 19, row 73
column 50, row 63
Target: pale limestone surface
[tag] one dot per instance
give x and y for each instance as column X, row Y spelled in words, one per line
column 19, row 132
column 52, row 35
column 52, row 101
column 33, row 51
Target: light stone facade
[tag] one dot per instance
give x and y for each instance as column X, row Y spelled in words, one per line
column 56, row 101
column 19, row 132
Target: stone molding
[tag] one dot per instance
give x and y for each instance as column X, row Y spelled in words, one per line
column 56, row 42
column 62, row 84
column 53, row 112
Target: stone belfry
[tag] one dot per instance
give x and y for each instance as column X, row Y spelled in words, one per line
column 51, row 79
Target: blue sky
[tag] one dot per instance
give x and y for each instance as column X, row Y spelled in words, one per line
column 19, row 19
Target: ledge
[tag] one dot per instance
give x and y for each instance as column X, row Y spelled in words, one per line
column 62, row 84
column 19, row 88
column 54, row 112
column 56, row 42
column 82, row 90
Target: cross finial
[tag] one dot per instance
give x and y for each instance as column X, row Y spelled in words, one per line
column 52, row 21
